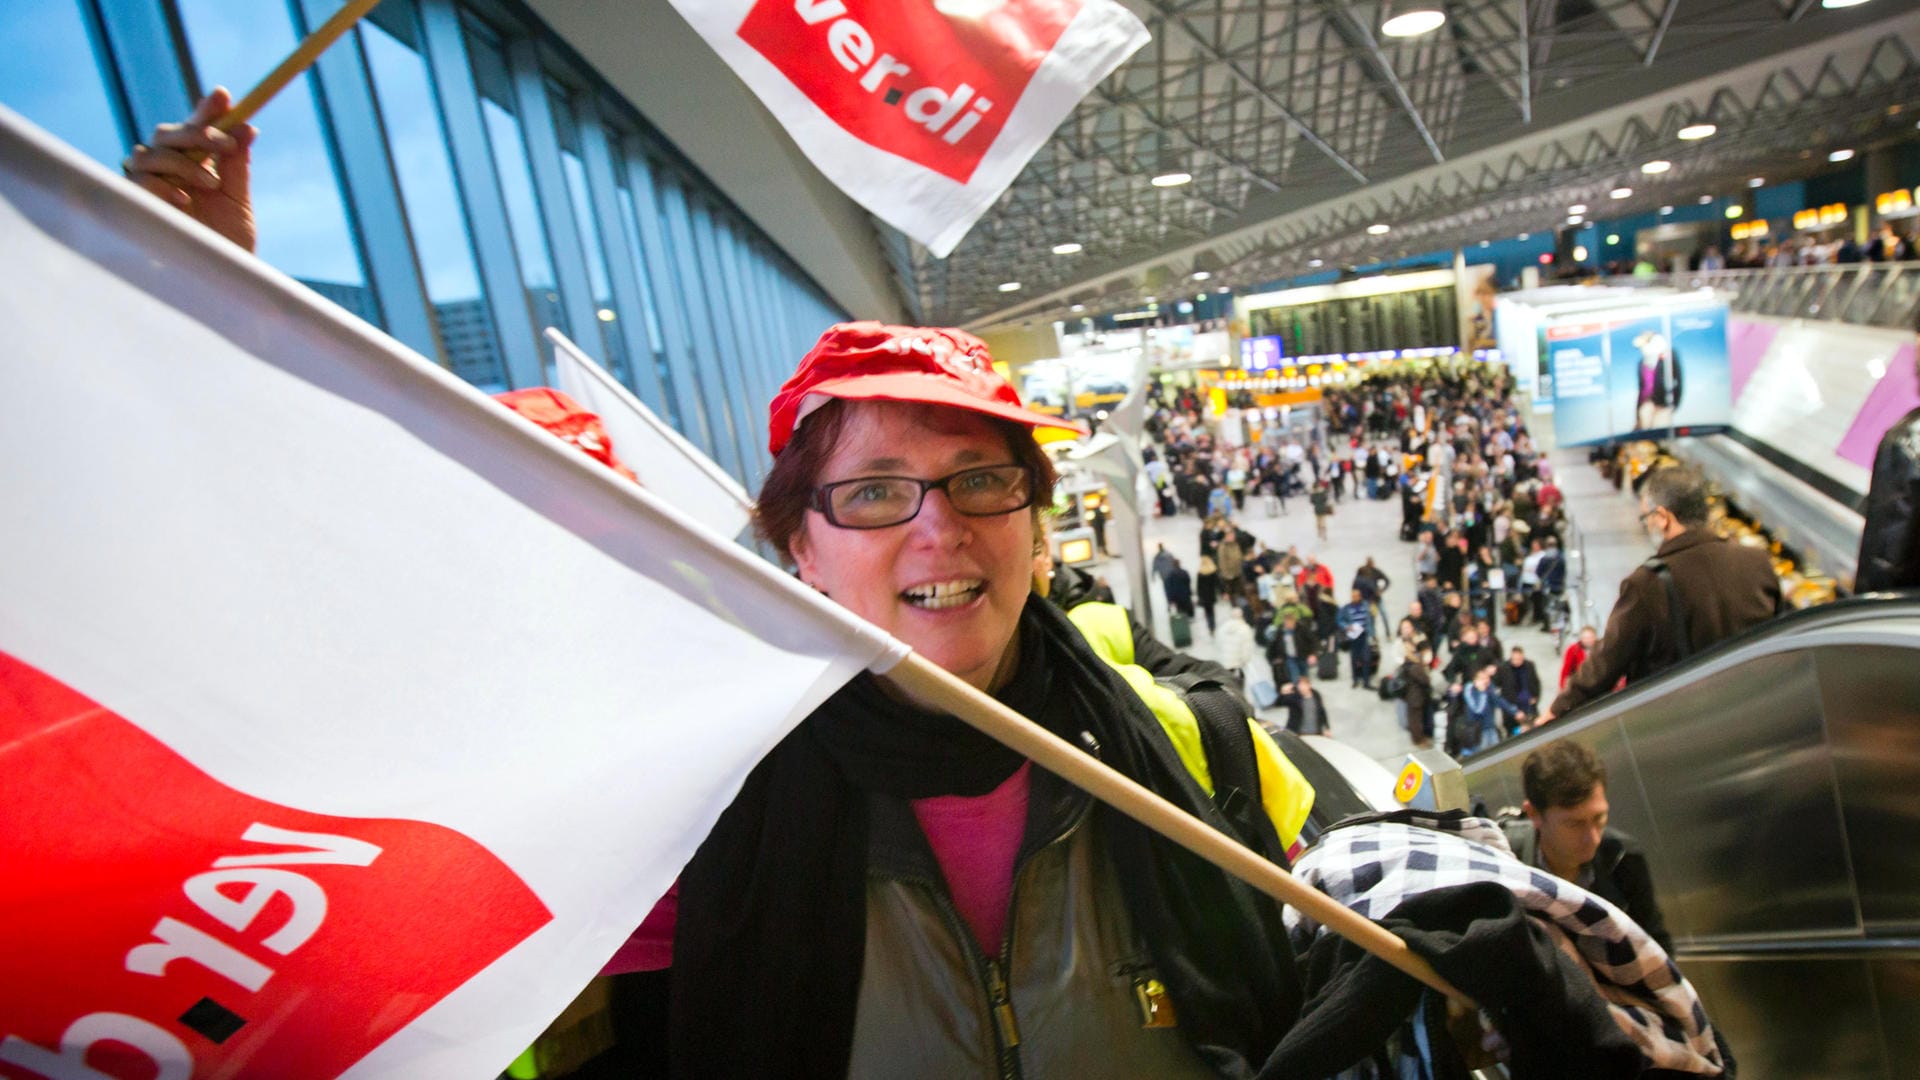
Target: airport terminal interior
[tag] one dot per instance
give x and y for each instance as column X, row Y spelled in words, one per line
column 1381, row 321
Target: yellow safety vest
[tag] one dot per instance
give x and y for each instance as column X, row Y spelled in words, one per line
column 1284, row 792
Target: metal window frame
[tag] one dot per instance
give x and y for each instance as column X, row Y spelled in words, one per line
column 148, row 55
column 505, row 294
column 356, row 139
column 623, row 278
column 566, row 250
column 728, row 314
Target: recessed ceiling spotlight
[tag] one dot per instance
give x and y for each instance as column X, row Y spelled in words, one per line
column 1316, row 262
column 1153, row 299
column 1078, row 307
column 1172, row 179
column 1009, row 286
column 1224, row 289
column 1413, row 23
column 1736, row 210
column 1579, row 253
column 1697, row 131
column 1201, row 275
column 1666, row 210
column 1575, row 219
column 1654, row 168
column 1065, row 249
column 1577, row 209
column 1620, row 193
column 1840, row 155
column 1484, row 243
column 1523, row 236
column 1378, row 228
column 1831, row 4
column 1758, row 181
column 1705, row 199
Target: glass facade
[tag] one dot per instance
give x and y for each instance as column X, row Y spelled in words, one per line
column 449, row 173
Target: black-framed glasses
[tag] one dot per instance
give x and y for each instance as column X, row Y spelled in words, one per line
column 875, row 502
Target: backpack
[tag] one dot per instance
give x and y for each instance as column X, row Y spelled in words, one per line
column 1227, row 739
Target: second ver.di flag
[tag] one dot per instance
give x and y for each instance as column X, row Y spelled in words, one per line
column 922, row 110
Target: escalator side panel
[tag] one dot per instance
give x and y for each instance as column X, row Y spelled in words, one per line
column 1828, row 1005
column 1735, row 767
column 1872, row 700
column 1896, row 992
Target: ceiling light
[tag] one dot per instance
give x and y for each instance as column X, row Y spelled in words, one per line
column 1620, row 193
column 1831, row 4
column 1577, row 209
column 1009, row 286
column 1580, row 253
column 1078, row 307
column 1840, row 155
column 1666, row 210
column 1697, row 131
column 1201, row 275
column 1153, row 299
column 1484, row 243
column 1575, row 219
column 1172, row 179
column 1378, row 228
column 1316, row 262
column 1654, row 168
column 1414, row 23
column 1736, row 210
column 1613, row 238
column 606, row 314
column 1224, row 289
column 1523, row 236
column 1065, row 249
column 1705, row 199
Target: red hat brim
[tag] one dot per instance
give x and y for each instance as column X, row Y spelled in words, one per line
column 927, row 388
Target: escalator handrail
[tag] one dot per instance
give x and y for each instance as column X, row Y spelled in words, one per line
column 1767, row 638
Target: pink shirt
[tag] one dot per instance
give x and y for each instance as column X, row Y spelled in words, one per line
column 974, row 838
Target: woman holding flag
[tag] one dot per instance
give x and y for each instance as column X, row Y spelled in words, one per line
column 892, row 891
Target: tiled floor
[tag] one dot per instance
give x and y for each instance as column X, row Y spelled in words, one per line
column 1361, row 528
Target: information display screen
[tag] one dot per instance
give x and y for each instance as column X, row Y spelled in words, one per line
column 1659, row 373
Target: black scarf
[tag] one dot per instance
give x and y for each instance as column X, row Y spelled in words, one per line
column 772, row 927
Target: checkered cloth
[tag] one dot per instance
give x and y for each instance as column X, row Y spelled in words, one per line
column 1373, row 866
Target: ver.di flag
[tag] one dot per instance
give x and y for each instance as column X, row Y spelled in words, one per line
column 922, row 110
column 348, row 721
column 670, row 466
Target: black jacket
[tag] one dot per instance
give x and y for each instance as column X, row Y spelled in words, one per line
column 1890, row 542
column 1516, row 684
column 1306, row 645
column 1620, row 874
column 1466, row 660
column 1292, row 701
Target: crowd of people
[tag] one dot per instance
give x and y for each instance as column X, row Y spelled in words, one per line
column 1477, row 499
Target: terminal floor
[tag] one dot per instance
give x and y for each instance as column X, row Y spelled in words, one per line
column 1359, row 528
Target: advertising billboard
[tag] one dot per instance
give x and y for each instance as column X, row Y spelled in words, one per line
column 1658, row 372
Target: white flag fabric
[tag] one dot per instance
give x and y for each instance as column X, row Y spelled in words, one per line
column 670, row 466
column 923, row 111
column 348, row 721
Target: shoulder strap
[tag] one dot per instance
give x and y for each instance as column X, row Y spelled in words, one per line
column 1228, row 742
column 1676, row 614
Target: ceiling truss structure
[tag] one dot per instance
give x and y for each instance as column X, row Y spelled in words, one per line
column 1302, row 126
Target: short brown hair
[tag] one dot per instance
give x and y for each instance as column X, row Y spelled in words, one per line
column 1680, row 490
column 788, row 489
column 1563, row 774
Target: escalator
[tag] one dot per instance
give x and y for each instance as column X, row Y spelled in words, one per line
column 1774, row 782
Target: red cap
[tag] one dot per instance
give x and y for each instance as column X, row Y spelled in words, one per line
column 565, row 419
column 871, row 361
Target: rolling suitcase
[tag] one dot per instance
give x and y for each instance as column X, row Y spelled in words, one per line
column 1182, row 628
column 1329, row 665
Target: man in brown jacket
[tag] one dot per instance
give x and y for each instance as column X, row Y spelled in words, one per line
column 1723, row 588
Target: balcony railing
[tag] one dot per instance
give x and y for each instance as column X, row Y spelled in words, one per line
column 1867, row 294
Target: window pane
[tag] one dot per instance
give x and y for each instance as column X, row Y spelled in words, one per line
column 612, row 340
column 630, row 224
column 297, row 201
column 510, row 163
column 52, row 76
column 418, row 145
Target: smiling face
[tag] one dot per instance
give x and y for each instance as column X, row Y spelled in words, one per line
column 948, row 585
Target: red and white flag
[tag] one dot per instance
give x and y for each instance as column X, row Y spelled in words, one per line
column 348, row 721
column 670, row 466
column 922, row 110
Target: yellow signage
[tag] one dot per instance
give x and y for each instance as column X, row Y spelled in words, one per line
column 1073, row 552
column 1408, row 785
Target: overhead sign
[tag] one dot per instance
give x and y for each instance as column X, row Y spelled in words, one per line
column 922, row 110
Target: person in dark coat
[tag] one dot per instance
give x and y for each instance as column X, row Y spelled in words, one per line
column 1469, row 657
column 1306, row 710
column 1179, row 586
column 1209, row 588
column 1890, row 540
column 1519, row 681
column 1565, row 833
column 1723, row 589
column 1416, row 696
column 1292, row 649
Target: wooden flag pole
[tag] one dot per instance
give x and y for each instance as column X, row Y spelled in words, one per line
column 925, row 682
column 299, row 60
